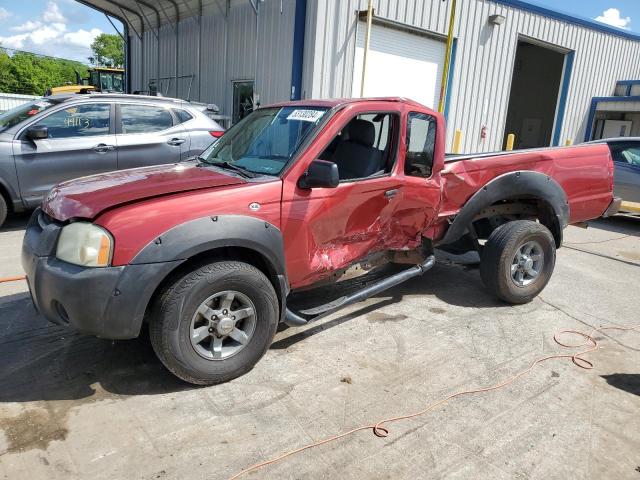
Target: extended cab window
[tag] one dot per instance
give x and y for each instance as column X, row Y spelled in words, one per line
column 421, row 139
column 78, row 121
column 365, row 147
column 144, row 118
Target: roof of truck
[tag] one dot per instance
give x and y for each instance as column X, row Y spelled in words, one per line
column 334, row 102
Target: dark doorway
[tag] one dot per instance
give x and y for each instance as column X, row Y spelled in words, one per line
column 535, row 87
column 242, row 100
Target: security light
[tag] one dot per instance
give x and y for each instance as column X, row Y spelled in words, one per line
column 497, row 19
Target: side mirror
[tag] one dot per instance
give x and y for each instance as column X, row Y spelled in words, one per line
column 38, row 133
column 320, row 173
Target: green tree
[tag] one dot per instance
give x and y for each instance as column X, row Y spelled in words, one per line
column 108, row 50
column 32, row 74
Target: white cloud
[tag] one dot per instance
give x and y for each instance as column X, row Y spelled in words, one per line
column 27, row 26
column 82, row 38
column 53, row 14
column 4, row 13
column 49, row 35
column 612, row 17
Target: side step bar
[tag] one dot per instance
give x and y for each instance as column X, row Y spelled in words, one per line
column 295, row 320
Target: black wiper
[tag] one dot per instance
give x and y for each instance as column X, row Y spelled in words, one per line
column 236, row 168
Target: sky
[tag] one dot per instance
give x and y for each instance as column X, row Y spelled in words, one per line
column 66, row 28
column 623, row 14
column 59, row 28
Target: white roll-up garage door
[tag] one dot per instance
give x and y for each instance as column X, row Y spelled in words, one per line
column 399, row 64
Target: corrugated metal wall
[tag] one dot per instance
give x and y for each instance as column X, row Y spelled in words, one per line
column 216, row 49
column 484, row 60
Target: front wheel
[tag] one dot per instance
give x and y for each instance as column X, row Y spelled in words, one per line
column 214, row 323
column 517, row 261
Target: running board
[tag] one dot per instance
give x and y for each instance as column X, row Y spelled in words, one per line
column 312, row 314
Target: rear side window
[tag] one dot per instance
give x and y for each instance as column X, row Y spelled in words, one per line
column 78, row 121
column 144, row 118
column 421, row 140
column 183, row 115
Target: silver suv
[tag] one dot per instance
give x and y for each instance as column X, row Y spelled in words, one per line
column 57, row 138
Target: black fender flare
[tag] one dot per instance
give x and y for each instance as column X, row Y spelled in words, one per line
column 184, row 241
column 519, row 184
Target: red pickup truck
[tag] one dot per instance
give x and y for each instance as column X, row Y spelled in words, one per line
column 297, row 195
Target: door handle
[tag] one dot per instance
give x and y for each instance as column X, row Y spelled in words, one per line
column 391, row 193
column 103, row 148
column 176, row 141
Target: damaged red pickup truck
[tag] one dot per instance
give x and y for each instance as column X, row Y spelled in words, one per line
column 295, row 196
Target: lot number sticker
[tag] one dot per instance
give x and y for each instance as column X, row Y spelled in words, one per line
column 306, row 115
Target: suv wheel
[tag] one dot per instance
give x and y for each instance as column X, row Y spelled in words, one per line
column 214, row 323
column 4, row 210
column 517, row 261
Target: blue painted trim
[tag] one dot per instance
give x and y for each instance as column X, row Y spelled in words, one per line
column 594, row 107
column 298, row 49
column 628, row 82
column 564, row 93
column 592, row 115
column 585, row 22
column 452, row 66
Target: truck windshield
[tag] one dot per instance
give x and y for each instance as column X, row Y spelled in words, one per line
column 20, row 113
column 265, row 140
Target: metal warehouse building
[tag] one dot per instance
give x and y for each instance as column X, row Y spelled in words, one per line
column 516, row 68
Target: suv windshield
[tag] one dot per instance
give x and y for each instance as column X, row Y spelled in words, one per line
column 265, row 140
column 16, row 115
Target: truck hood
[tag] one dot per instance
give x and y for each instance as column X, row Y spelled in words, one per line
column 87, row 197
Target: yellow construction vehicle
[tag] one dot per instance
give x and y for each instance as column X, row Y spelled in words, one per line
column 101, row 79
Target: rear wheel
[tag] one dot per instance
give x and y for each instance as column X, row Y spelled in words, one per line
column 517, row 261
column 214, row 323
column 4, row 210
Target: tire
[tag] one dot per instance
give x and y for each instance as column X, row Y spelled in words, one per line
column 518, row 280
column 175, row 318
column 4, row 210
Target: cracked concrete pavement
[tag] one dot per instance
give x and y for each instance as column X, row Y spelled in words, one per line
column 74, row 407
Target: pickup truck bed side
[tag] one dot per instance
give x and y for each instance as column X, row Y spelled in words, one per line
column 576, row 176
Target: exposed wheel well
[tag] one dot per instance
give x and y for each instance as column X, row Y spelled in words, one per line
column 521, row 208
column 514, row 208
column 225, row 253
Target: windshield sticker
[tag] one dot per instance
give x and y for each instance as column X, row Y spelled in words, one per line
column 306, row 115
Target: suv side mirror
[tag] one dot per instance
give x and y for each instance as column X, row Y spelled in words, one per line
column 38, row 133
column 320, row 173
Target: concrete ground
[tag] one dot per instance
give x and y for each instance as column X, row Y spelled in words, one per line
column 74, row 407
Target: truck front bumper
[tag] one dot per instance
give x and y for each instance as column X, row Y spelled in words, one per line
column 106, row 302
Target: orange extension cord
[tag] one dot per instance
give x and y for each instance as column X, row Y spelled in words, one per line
column 12, row 279
column 380, row 431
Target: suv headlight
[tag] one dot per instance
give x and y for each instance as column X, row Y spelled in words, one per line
column 85, row 244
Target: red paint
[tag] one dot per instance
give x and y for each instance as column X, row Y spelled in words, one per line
column 88, row 196
column 325, row 229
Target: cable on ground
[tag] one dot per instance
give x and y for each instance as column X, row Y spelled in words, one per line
column 380, row 430
column 12, row 279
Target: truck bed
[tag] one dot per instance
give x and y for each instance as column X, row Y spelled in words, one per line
column 580, row 171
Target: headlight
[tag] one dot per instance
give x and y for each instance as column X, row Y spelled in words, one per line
column 85, row 244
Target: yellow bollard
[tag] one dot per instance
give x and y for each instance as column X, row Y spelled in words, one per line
column 569, row 142
column 457, row 140
column 511, row 139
